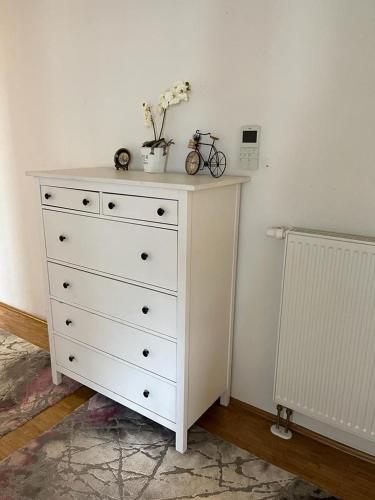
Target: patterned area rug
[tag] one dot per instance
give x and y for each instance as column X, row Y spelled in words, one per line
column 26, row 386
column 106, row 451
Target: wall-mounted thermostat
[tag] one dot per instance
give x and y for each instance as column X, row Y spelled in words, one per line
column 249, row 147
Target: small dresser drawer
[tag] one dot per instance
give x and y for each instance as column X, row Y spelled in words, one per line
column 138, row 305
column 141, row 253
column 123, row 379
column 140, row 348
column 75, row 199
column 141, row 208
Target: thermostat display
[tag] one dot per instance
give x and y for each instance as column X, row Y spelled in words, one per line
column 249, row 136
column 249, row 147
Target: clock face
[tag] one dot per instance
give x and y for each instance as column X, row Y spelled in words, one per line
column 122, row 158
column 192, row 163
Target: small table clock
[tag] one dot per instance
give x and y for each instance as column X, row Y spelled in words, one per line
column 122, row 159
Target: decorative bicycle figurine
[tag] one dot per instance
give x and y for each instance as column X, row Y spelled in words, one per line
column 216, row 161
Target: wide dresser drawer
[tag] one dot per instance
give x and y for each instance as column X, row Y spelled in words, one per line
column 143, row 349
column 74, row 199
column 141, row 253
column 141, row 208
column 129, row 382
column 135, row 304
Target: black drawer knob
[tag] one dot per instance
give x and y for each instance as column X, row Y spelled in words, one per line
column 85, row 201
column 71, row 358
column 111, row 205
column 146, row 393
column 160, row 211
column 145, row 309
column 62, row 237
column 68, row 322
column 47, row 196
column 66, row 284
column 145, row 352
column 144, row 256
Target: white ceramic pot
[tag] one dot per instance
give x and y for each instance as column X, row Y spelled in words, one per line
column 154, row 161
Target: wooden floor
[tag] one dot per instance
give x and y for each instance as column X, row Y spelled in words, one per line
column 339, row 473
column 346, row 476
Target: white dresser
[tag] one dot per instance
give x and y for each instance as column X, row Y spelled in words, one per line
column 140, row 272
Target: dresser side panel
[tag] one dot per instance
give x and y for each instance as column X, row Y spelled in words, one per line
column 183, row 308
column 213, row 245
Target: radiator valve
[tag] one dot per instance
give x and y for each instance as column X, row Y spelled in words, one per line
column 279, row 233
column 279, row 429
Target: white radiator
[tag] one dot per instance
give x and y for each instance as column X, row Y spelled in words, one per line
column 326, row 351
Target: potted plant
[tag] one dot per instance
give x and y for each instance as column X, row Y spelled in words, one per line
column 155, row 152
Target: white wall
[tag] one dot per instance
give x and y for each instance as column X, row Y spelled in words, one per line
column 73, row 75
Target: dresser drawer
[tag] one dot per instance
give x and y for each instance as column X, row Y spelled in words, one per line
column 141, row 253
column 141, row 208
column 75, row 199
column 140, row 348
column 129, row 382
column 115, row 298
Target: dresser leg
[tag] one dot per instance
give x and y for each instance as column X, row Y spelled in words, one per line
column 225, row 398
column 181, row 441
column 56, row 377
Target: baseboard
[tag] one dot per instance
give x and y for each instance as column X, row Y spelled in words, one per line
column 245, row 407
column 22, row 313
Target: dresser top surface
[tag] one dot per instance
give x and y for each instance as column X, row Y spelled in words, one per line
column 170, row 180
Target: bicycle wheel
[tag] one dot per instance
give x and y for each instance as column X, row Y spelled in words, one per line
column 217, row 165
column 192, row 162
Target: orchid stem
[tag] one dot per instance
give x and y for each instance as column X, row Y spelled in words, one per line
column 162, row 124
column 153, row 126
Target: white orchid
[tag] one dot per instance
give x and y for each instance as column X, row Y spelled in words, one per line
column 181, row 87
column 183, row 96
column 147, row 114
column 168, row 99
column 174, row 95
column 165, row 101
column 162, row 103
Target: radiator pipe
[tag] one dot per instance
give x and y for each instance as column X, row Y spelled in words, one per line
column 278, row 429
column 279, row 410
column 287, row 421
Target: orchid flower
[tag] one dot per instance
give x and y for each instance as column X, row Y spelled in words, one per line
column 147, row 115
column 174, row 95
